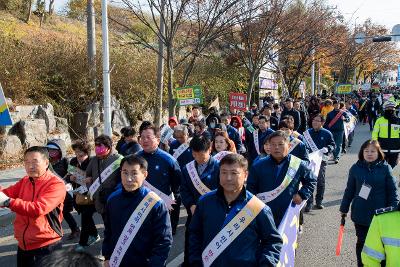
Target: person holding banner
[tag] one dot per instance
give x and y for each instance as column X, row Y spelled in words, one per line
column 102, row 173
column 319, row 139
column 76, row 170
column 297, row 147
column 352, row 113
column 200, row 176
column 334, row 123
column 164, row 172
column 276, row 179
column 137, row 229
column 231, row 226
column 370, row 186
column 255, row 138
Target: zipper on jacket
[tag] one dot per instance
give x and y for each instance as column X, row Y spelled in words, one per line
column 33, row 198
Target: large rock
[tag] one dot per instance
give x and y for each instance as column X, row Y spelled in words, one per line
column 119, row 120
column 63, row 136
column 10, row 146
column 79, row 124
column 46, row 112
column 62, row 124
column 31, row 132
column 95, row 114
column 26, row 112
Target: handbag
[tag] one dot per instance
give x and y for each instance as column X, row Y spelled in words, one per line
column 83, row 200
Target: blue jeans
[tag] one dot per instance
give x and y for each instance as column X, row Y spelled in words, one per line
column 338, row 137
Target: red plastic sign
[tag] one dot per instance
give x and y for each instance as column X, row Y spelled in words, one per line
column 237, row 101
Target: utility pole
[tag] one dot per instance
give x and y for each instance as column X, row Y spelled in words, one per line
column 160, row 68
column 106, row 70
column 313, row 74
column 91, row 43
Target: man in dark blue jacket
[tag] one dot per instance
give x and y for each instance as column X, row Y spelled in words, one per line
column 199, row 176
column 233, row 133
column 334, row 123
column 318, row 138
column 149, row 241
column 297, row 147
column 164, row 171
column 289, row 110
column 276, row 179
column 262, row 133
column 222, row 234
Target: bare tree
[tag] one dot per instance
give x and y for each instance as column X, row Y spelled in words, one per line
column 190, row 27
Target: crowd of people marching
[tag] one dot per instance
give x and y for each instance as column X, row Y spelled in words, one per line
column 235, row 173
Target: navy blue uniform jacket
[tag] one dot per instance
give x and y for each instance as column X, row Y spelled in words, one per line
column 233, row 134
column 258, row 245
column 164, row 171
column 383, row 193
column 300, row 150
column 251, row 148
column 210, row 178
column 152, row 243
column 263, row 178
column 338, row 126
column 185, row 157
column 321, row 138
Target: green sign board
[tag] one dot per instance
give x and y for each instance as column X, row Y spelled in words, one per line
column 189, row 95
column 344, row 88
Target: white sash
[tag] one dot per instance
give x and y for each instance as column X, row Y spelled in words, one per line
column 293, row 144
column 310, row 141
column 291, row 172
column 104, row 175
column 221, row 155
column 231, row 231
column 178, row 152
column 167, row 199
column 132, row 226
column 256, row 141
column 194, row 176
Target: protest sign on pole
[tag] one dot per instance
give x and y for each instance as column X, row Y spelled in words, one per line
column 189, row 95
column 344, row 89
column 5, row 118
column 237, row 101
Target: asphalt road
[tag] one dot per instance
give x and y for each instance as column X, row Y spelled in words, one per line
column 316, row 245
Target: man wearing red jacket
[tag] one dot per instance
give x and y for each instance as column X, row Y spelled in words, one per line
column 37, row 199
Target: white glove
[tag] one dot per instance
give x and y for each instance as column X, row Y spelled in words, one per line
column 324, row 150
column 3, row 198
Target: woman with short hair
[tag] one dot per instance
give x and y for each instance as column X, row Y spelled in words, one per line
column 370, row 186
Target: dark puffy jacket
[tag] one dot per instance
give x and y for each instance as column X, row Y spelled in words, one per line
column 261, row 181
column 383, row 193
column 251, row 148
column 151, row 245
column 258, row 245
column 210, row 178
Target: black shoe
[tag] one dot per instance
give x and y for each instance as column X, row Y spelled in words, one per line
column 336, row 161
column 318, row 206
column 307, row 209
column 344, row 151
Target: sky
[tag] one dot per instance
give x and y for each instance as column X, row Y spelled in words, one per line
column 385, row 12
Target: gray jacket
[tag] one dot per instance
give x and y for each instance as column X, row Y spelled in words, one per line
column 95, row 168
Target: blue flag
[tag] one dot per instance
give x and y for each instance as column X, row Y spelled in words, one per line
column 288, row 230
column 5, row 118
